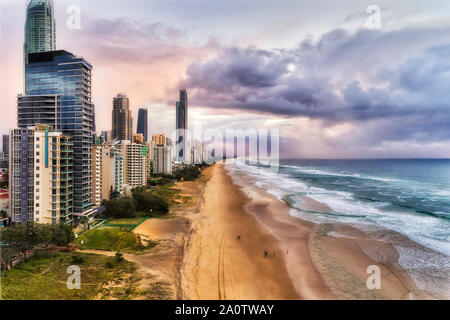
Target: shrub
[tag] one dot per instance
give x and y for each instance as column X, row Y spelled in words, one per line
column 118, row 257
column 146, row 201
column 76, row 259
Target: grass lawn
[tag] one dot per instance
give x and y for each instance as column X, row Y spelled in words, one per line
column 167, row 192
column 44, row 277
column 112, row 239
column 107, row 238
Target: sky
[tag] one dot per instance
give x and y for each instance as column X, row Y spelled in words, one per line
column 315, row 70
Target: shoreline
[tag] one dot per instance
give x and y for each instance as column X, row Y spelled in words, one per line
column 231, row 226
column 342, row 252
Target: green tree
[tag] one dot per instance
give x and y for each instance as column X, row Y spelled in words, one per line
column 120, row 208
column 146, row 201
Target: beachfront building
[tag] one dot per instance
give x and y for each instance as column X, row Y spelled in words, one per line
column 42, row 174
column 111, row 170
column 97, row 150
column 117, row 171
column 135, row 164
column 148, row 149
column 122, row 121
column 142, row 125
column 162, row 159
column 58, row 94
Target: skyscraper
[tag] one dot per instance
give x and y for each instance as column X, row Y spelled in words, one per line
column 5, row 146
column 39, row 28
column 182, row 126
column 58, row 93
column 122, row 121
column 142, row 125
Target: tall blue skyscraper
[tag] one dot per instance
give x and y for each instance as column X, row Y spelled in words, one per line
column 142, row 125
column 39, row 28
column 58, row 93
column 182, row 126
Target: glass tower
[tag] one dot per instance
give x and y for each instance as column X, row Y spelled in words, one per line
column 142, row 125
column 182, row 125
column 58, row 93
column 39, row 28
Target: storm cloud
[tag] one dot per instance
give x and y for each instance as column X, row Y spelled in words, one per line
column 394, row 85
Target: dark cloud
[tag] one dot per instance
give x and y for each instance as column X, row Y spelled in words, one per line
column 394, row 83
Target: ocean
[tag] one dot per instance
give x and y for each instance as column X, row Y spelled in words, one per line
column 411, row 197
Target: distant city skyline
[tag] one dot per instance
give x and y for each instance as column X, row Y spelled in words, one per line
column 334, row 88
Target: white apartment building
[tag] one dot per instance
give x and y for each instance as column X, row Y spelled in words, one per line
column 97, row 183
column 162, row 159
column 41, row 184
column 135, row 163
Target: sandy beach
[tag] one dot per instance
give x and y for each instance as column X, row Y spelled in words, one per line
column 232, row 240
column 225, row 252
column 243, row 244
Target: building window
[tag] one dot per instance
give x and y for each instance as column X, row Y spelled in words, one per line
column 37, row 213
column 37, row 138
column 37, row 153
column 37, row 205
column 37, row 168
